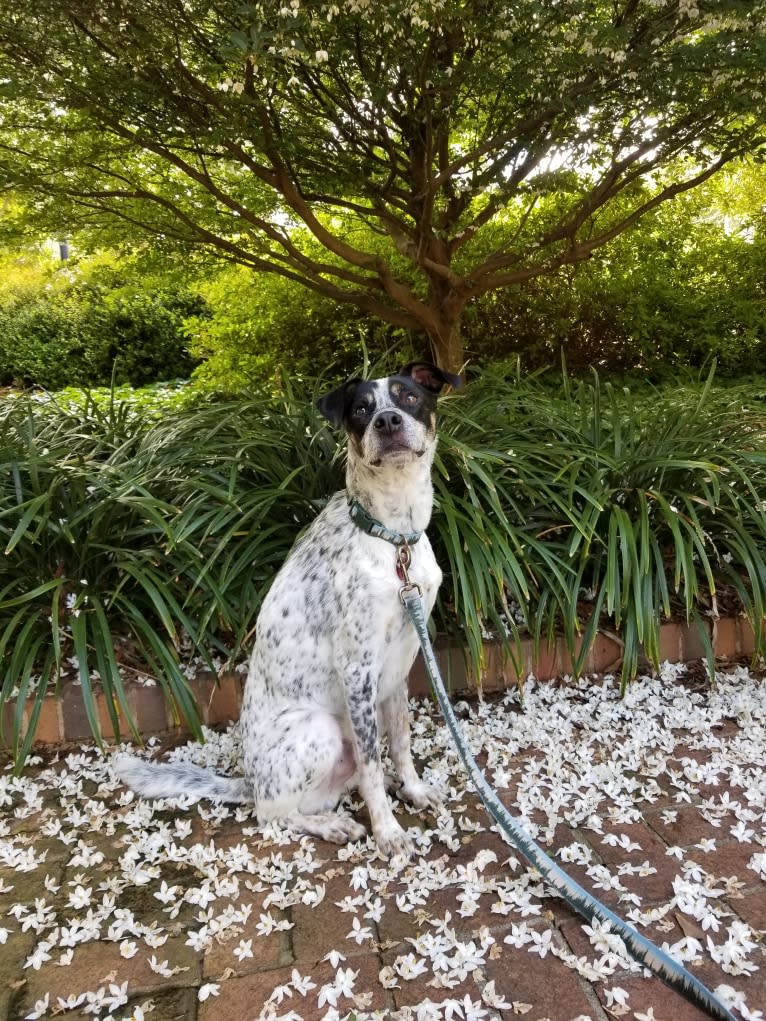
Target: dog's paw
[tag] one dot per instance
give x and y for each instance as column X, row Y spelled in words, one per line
column 335, row 829
column 341, row 829
column 393, row 842
column 422, row 795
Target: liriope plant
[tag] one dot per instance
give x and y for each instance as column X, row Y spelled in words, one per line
column 561, row 507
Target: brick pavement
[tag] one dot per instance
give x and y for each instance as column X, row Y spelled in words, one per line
column 536, row 986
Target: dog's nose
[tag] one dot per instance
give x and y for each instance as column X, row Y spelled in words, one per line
column 388, row 422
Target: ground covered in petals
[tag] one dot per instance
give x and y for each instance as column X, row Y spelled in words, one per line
column 114, row 907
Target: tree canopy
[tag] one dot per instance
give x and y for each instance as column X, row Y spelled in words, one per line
column 403, row 156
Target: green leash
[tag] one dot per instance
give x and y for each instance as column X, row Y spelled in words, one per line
column 584, row 903
column 570, row 891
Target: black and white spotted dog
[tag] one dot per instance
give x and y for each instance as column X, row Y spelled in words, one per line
column 328, row 674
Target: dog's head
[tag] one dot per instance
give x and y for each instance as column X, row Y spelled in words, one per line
column 390, row 420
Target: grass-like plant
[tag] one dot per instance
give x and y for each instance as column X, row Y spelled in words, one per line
column 589, row 501
column 83, row 536
column 135, row 537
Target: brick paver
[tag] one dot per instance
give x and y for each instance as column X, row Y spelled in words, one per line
column 214, row 984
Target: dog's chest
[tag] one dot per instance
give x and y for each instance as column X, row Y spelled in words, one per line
column 334, row 612
column 382, row 622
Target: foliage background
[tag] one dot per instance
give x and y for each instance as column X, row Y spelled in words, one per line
column 136, row 537
column 686, row 286
column 140, row 532
column 88, row 322
column 401, row 157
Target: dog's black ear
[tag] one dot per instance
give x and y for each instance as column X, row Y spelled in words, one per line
column 430, row 376
column 335, row 404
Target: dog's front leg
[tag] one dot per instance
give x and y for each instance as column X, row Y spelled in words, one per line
column 361, row 696
column 396, row 721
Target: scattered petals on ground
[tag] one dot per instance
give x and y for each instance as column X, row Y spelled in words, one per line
column 116, row 908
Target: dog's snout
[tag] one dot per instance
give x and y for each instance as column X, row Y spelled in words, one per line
column 388, row 422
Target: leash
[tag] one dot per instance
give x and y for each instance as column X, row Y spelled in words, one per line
column 570, row 891
column 578, row 898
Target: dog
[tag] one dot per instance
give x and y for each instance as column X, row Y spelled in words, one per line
column 328, row 673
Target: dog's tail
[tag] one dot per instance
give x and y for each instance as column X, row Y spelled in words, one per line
column 179, row 779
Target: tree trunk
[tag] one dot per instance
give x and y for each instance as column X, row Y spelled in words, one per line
column 444, row 334
column 447, row 350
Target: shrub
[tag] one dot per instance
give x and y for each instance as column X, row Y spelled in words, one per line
column 261, row 325
column 42, row 342
column 558, row 509
column 154, row 537
column 86, row 326
column 139, row 337
column 85, row 554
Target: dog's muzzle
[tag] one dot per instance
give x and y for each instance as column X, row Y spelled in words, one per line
column 390, row 436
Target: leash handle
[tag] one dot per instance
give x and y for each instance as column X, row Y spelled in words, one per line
column 576, row 896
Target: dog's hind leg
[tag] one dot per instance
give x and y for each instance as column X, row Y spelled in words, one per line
column 303, row 772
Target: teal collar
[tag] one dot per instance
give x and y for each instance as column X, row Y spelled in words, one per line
column 371, row 526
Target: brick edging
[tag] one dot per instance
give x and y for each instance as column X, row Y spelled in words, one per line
column 63, row 719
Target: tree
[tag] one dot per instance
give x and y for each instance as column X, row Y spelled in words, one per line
column 403, row 156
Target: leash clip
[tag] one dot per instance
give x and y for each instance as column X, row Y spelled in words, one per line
column 403, row 561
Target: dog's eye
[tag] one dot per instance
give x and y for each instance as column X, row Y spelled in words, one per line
column 361, row 411
column 410, row 398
